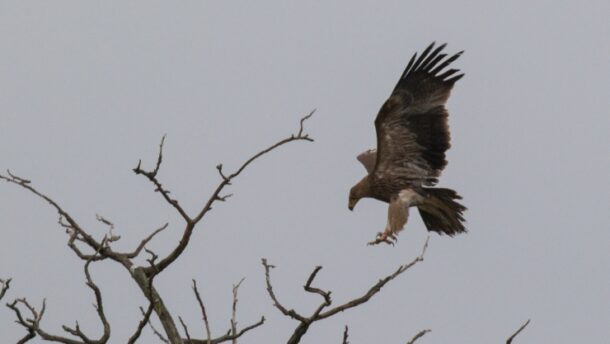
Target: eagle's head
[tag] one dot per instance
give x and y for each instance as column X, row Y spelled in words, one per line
column 353, row 199
column 357, row 192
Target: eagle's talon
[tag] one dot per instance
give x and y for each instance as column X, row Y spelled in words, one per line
column 383, row 237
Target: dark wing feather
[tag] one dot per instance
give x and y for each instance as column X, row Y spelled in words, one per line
column 412, row 129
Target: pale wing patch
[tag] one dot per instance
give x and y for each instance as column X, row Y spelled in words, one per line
column 368, row 159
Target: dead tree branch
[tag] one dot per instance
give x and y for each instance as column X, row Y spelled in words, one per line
column 203, row 312
column 228, row 336
column 510, row 339
column 417, row 336
column 186, row 329
column 152, row 176
column 72, row 227
column 33, row 324
column 214, row 197
column 345, row 335
column 306, row 321
column 143, row 275
column 145, row 241
column 5, row 285
column 234, row 310
column 153, row 328
column 232, row 334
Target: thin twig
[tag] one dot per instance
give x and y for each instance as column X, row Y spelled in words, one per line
column 345, row 335
column 155, row 331
column 6, row 284
column 152, row 176
column 186, row 329
column 291, row 313
column 417, row 336
column 145, row 319
column 510, row 339
column 228, row 336
column 145, row 241
column 203, row 312
column 110, row 237
column 234, row 310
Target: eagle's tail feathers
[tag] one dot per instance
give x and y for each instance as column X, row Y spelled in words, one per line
column 441, row 211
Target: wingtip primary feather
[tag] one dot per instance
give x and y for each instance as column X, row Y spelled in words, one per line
column 455, row 78
column 409, row 65
column 446, row 63
column 424, row 54
column 432, row 56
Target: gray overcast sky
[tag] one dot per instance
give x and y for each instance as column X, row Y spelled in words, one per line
column 88, row 88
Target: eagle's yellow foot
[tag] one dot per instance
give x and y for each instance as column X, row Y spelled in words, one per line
column 385, row 237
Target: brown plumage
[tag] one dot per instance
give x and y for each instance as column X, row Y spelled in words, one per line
column 412, row 137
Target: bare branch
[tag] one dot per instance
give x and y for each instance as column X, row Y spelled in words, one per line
column 152, row 327
column 417, row 336
column 309, row 288
column 291, row 313
column 228, row 336
column 510, row 339
column 234, row 310
column 33, row 324
column 152, row 177
column 232, row 334
column 305, row 322
column 377, row 287
column 6, row 284
column 345, row 335
column 145, row 241
column 226, row 180
column 216, row 195
column 30, row 335
column 148, row 292
column 74, row 229
column 186, row 330
column 110, row 237
column 203, row 312
column 300, row 134
column 145, row 319
column 28, row 324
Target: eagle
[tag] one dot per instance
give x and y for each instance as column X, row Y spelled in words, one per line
column 412, row 138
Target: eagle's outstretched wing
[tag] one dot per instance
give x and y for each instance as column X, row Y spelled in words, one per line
column 412, row 129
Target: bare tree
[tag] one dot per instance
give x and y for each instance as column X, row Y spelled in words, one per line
column 91, row 249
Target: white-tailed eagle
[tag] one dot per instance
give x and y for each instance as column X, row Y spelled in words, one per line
column 412, row 137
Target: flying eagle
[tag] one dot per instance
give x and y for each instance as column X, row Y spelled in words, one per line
column 412, row 137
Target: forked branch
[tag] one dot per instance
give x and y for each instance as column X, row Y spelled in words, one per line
column 216, row 195
column 32, row 324
column 232, row 334
column 306, row 321
column 76, row 232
